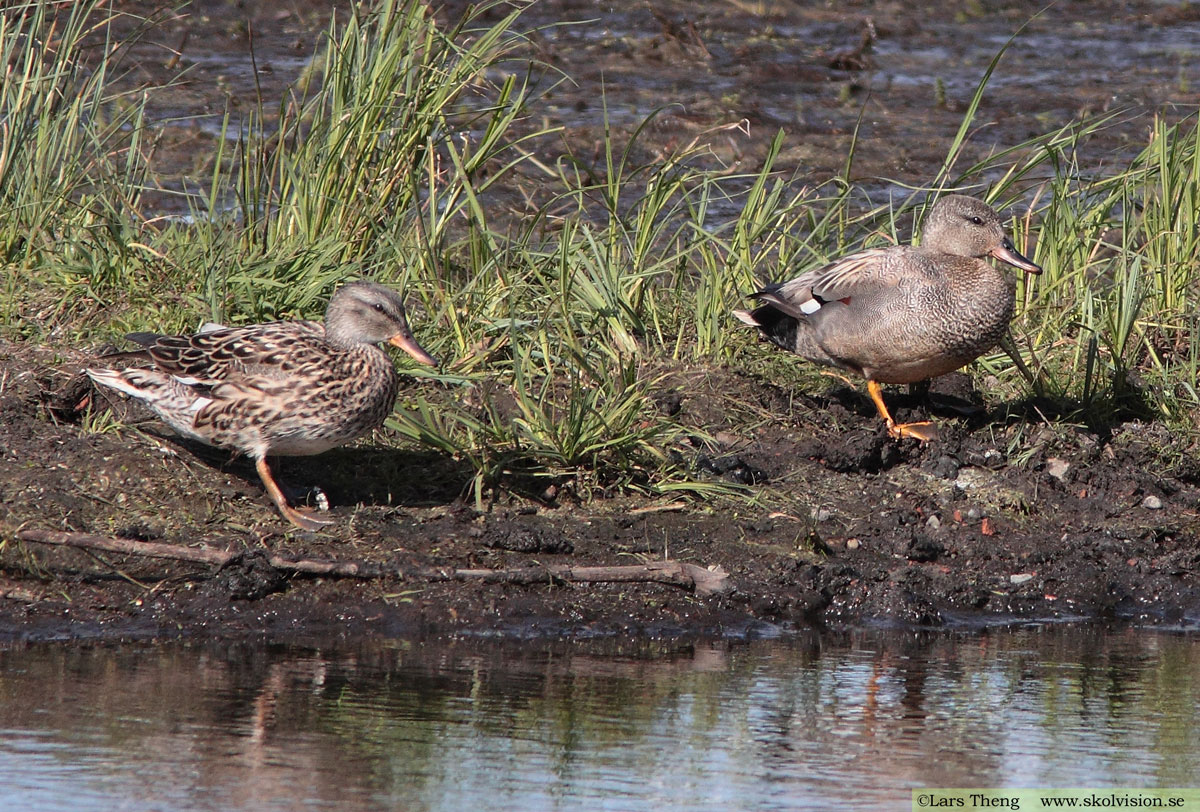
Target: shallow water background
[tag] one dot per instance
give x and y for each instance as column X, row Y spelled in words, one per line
column 730, row 75
column 848, row 722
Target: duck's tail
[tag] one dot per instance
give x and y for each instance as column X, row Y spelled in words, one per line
column 173, row 400
column 786, row 331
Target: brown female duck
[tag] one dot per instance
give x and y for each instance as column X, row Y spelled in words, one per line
column 288, row 388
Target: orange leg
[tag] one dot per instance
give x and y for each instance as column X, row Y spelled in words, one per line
column 296, row 517
column 923, row 431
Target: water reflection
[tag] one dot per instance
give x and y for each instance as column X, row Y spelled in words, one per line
column 810, row 722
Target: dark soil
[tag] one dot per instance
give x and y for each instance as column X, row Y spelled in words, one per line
column 1003, row 518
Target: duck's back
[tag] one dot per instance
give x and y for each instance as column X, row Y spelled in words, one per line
column 227, row 353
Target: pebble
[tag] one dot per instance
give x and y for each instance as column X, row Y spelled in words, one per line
column 933, row 523
column 822, row 514
column 1057, row 468
column 1152, row 503
column 1020, row 577
column 946, row 467
column 852, row 544
column 726, row 438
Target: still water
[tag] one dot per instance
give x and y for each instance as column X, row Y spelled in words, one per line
column 815, row 722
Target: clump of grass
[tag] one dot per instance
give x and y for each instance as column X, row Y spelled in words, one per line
column 371, row 159
column 70, row 160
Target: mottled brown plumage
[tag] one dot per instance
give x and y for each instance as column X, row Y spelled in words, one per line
column 287, row 388
column 903, row 313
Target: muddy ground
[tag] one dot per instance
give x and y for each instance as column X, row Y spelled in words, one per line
column 1015, row 513
column 1004, row 518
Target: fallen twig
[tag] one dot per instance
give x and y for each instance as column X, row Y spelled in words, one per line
column 87, row 541
column 677, row 573
column 217, row 558
column 704, row 581
column 670, row 506
column 12, row 592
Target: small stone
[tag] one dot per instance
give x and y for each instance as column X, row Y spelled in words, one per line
column 726, row 439
column 1057, row 468
column 1020, row 578
column 1152, row 502
column 974, row 514
column 822, row 514
column 852, row 544
column 933, row 522
column 946, row 467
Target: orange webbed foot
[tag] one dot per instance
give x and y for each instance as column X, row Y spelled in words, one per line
column 925, row 431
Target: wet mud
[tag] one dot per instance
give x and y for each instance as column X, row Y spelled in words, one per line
column 1006, row 518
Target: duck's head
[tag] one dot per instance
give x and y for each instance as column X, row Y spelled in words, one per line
column 968, row 227
column 370, row 313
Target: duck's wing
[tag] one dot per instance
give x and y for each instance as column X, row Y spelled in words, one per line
column 859, row 274
column 230, row 353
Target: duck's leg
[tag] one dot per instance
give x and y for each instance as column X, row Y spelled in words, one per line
column 296, row 517
column 923, row 430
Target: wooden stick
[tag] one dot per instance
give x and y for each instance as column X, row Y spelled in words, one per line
column 150, row 549
column 702, row 580
column 12, row 592
column 676, row 573
column 217, row 558
column 658, row 508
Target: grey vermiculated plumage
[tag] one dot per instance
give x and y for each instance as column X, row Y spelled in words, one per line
column 901, row 314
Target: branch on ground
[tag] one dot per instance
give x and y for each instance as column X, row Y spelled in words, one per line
column 701, row 580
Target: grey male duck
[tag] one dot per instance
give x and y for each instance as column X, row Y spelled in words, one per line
column 903, row 313
column 288, row 387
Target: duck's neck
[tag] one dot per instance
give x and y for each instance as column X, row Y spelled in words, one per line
column 933, row 239
column 337, row 335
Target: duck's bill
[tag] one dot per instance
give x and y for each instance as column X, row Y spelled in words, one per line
column 1007, row 253
column 409, row 344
